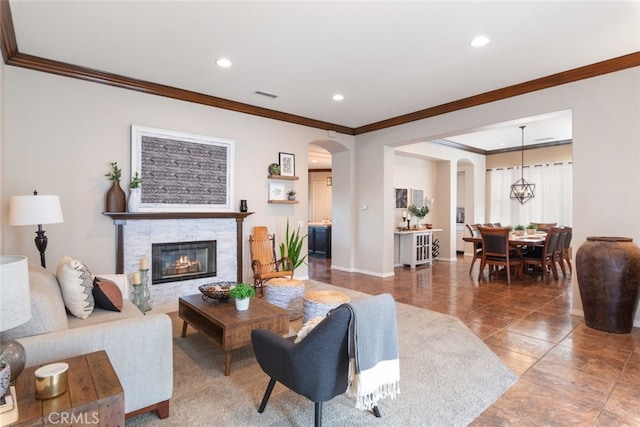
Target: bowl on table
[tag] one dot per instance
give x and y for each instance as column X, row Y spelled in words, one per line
column 216, row 292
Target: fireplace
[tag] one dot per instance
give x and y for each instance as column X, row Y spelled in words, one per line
column 176, row 261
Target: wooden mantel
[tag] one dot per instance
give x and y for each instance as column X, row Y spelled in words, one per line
column 121, row 218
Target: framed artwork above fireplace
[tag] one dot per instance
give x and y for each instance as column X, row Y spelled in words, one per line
column 182, row 172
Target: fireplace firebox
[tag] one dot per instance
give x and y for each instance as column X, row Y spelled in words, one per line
column 172, row 262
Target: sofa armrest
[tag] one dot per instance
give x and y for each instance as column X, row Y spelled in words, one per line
column 140, row 350
column 119, row 279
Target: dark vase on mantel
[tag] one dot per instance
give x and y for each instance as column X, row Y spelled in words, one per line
column 608, row 270
column 116, row 200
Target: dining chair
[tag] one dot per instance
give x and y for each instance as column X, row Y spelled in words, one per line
column 566, row 251
column 477, row 247
column 557, row 252
column 544, row 226
column 544, row 258
column 496, row 224
column 496, row 252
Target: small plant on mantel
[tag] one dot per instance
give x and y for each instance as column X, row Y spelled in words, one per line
column 242, row 291
column 135, row 181
column 115, row 174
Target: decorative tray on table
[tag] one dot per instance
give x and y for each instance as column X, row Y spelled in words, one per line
column 216, row 292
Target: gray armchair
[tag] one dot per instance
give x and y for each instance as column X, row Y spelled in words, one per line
column 325, row 348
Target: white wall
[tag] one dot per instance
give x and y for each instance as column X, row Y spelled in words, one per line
column 60, row 134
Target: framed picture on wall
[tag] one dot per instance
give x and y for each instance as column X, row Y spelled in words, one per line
column 276, row 191
column 287, row 164
column 417, row 198
column 401, row 198
column 182, row 171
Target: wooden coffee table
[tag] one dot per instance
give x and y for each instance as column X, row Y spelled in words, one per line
column 94, row 396
column 228, row 327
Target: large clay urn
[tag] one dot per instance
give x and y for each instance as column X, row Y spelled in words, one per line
column 608, row 270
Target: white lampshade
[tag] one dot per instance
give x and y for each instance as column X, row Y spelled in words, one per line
column 32, row 210
column 15, row 299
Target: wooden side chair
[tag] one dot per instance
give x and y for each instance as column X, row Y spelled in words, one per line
column 557, row 252
column 264, row 262
column 566, row 250
column 477, row 247
column 496, row 251
column 544, row 258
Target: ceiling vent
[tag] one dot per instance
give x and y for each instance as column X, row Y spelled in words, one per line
column 267, row 94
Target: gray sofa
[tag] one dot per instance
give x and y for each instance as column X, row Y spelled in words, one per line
column 139, row 346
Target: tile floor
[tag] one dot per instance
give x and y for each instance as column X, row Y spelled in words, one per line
column 569, row 374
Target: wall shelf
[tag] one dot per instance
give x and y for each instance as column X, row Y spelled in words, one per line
column 287, row 178
column 284, row 202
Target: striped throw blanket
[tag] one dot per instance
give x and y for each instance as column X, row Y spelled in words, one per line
column 374, row 368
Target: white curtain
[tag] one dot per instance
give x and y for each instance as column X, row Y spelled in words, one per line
column 552, row 201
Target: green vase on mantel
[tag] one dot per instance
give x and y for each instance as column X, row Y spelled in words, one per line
column 116, row 200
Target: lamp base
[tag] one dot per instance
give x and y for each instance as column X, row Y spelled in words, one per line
column 12, row 352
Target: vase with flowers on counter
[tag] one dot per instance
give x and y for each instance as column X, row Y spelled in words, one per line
column 420, row 213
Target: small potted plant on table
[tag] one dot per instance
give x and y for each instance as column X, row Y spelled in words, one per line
column 518, row 230
column 242, row 294
column 531, row 228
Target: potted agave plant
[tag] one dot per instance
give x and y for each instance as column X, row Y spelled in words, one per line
column 242, row 294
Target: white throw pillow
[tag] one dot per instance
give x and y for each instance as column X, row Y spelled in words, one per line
column 308, row 326
column 77, row 287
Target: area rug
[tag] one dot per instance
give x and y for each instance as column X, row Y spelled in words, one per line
column 448, row 377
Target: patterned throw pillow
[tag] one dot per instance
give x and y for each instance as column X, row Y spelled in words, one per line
column 107, row 294
column 76, row 286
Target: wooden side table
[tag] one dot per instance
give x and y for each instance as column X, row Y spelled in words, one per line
column 94, row 398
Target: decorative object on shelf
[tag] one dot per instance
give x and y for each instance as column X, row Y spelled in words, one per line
column 116, row 200
column 287, row 164
column 274, row 169
column 407, row 217
column 216, row 292
column 608, row 270
column 522, row 190
column 291, row 194
column 36, row 210
column 291, row 248
column 198, row 178
column 15, row 308
column 243, row 206
column 276, row 191
column 134, row 193
column 242, row 294
column 419, row 212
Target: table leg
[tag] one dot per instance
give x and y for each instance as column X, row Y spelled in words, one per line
column 184, row 328
column 227, row 363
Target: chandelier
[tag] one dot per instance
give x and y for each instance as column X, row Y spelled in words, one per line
column 522, row 190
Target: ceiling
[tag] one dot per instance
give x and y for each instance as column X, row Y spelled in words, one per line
column 388, row 58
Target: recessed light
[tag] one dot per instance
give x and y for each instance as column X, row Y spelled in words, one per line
column 224, row 63
column 338, row 97
column 479, row 41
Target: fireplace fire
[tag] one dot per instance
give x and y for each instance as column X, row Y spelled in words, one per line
column 179, row 261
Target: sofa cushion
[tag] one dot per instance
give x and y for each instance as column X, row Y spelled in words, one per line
column 47, row 306
column 107, row 294
column 76, row 285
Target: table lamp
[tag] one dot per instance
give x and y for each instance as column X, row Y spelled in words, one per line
column 32, row 210
column 15, row 307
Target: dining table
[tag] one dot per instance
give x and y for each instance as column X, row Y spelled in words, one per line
column 536, row 239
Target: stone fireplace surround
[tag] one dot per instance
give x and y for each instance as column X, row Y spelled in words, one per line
column 135, row 232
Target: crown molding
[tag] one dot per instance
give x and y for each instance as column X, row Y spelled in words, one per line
column 12, row 56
